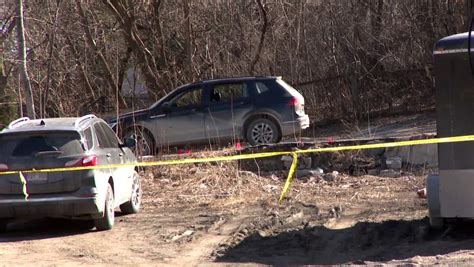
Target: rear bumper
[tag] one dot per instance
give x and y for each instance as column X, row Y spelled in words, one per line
column 60, row 206
column 292, row 127
column 303, row 121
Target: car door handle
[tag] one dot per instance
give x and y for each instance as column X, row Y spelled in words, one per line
column 108, row 155
column 158, row 116
column 120, row 154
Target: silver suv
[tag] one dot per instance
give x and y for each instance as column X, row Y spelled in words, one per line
column 89, row 195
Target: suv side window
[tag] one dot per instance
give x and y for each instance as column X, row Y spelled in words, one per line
column 88, row 138
column 228, row 92
column 101, row 137
column 261, row 88
column 112, row 139
column 192, row 98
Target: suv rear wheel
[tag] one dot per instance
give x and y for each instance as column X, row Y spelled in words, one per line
column 107, row 221
column 144, row 142
column 262, row 131
column 133, row 205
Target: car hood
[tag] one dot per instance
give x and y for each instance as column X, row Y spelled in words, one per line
column 129, row 115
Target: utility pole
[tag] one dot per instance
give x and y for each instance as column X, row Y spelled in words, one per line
column 25, row 80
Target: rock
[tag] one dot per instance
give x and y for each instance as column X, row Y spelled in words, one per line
column 186, row 233
column 287, row 160
column 319, row 171
column 390, row 173
column 263, row 233
column 394, row 163
column 295, row 217
column 336, row 211
column 248, row 173
column 306, row 173
column 331, row 176
column 304, row 163
column 373, row 172
column 421, row 193
column 270, row 187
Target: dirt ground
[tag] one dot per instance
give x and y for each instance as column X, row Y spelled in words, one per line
column 219, row 214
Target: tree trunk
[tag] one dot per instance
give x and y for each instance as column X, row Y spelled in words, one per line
column 188, row 44
column 145, row 57
column 113, row 83
column 25, row 80
column 263, row 14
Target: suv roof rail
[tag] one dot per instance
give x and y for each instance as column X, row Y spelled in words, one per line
column 84, row 118
column 17, row 122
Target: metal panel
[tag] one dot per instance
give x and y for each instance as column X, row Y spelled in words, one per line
column 456, row 193
column 455, row 109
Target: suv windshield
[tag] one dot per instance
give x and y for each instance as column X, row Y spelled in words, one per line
column 29, row 144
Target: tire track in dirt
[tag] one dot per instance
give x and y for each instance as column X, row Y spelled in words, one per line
column 200, row 250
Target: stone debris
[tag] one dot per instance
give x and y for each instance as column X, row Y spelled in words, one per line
column 394, row 163
column 186, row 233
column 270, row 187
column 336, row 211
column 421, row 193
column 390, row 173
column 373, row 172
column 309, row 173
column 330, row 177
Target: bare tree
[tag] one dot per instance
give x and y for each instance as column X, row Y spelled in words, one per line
column 348, row 58
column 25, row 80
column 263, row 14
column 188, row 44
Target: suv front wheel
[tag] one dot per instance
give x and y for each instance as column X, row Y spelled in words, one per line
column 262, row 131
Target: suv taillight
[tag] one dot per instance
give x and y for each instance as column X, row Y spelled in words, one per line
column 3, row 167
column 298, row 106
column 83, row 162
column 293, row 101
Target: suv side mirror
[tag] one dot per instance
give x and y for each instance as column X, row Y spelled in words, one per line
column 129, row 142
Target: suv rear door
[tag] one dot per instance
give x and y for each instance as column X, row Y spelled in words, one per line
column 228, row 104
column 121, row 174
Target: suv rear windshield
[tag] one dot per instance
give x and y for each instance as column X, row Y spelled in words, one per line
column 29, row 144
column 292, row 91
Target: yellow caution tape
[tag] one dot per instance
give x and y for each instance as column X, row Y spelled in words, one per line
column 290, row 177
column 23, row 184
column 454, row 139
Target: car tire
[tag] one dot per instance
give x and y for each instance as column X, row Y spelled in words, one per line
column 85, row 224
column 262, row 131
column 107, row 220
column 133, row 205
column 437, row 223
column 145, row 144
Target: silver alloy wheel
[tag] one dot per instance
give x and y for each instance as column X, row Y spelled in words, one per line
column 111, row 206
column 143, row 146
column 262, row 133
column 136, row 192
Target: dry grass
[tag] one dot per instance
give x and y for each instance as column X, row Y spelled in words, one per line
column 211, row 184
